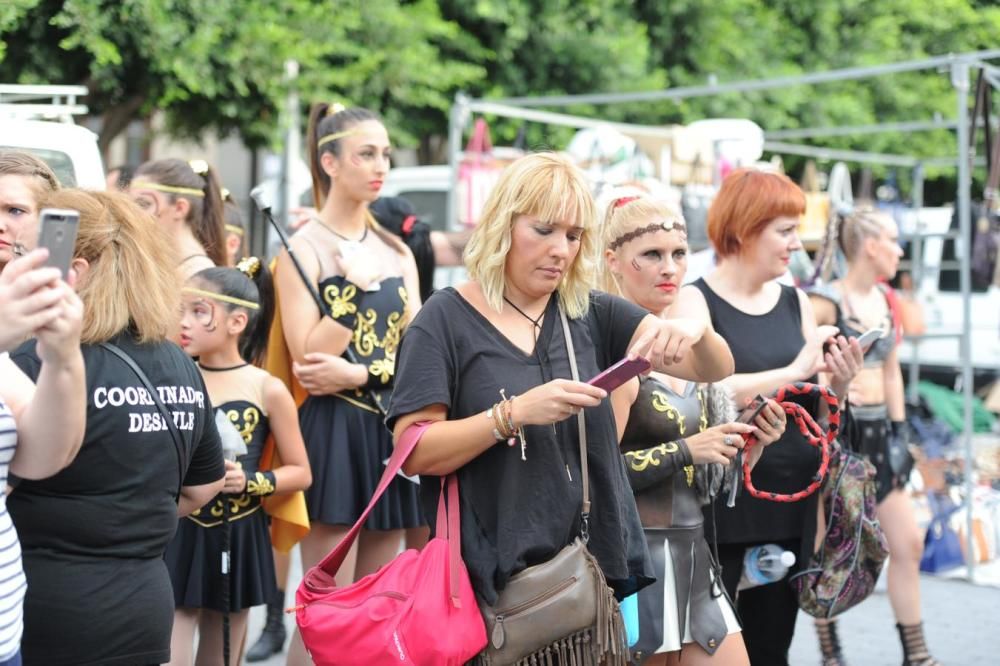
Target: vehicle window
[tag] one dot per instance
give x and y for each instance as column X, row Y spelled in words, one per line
column 431, row 207
column 58, row 161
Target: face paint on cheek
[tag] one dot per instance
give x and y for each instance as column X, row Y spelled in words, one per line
column 636, row 266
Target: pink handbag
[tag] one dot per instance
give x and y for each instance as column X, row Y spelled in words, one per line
column 418, row 609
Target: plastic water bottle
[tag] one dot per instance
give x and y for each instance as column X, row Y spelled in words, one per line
column 765, row 564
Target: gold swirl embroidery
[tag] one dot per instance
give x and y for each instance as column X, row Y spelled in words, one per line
column 383, row 368
column 236, row 505
column 260, row 485
column 640, row 460
column 341, row 303
column 662, row 404
column 703, row 420
column 251, row 418
column 365, row 340
column 689, row 474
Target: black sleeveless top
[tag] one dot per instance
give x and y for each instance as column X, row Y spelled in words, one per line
column 851, row 326
column 658, row 418
column 759, row 343
column 251, row 422
column 381, row 318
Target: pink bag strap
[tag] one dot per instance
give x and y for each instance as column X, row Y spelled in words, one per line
column 448, row 518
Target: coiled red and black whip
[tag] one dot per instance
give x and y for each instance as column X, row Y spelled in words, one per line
column 812, row 431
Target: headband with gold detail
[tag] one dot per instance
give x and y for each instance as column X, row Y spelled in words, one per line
column 200, row 167
column 665, row 225
column 221, row 297
column 233, row 229
column 337, row 135
column 249, row 266
column 149, row 185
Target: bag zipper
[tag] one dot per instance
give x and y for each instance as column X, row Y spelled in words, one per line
column 398, row 596
column 498, row 634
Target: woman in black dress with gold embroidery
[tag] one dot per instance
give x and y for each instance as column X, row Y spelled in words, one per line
column 368, row 279
column 227, row 315
column 678, row 436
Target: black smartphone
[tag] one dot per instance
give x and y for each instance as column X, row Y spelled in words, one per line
column 57, row 233
column 751, row 411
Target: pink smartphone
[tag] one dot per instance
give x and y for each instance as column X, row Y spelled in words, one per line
column 619, row 373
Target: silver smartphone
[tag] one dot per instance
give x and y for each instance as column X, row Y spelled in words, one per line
column 57, row 232
column 868, row 338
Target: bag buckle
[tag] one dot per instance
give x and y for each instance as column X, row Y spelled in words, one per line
column 585, row 527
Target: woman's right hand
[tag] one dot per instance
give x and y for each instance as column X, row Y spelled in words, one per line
column 326, row 374
column 810, row 361
column 553, row 402
column 718, row 444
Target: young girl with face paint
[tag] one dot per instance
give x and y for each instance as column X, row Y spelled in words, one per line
column 226, row 318
column 678, row 437
column 368, row 280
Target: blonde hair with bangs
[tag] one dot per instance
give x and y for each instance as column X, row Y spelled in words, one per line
column 132, row 279
column 547, row 186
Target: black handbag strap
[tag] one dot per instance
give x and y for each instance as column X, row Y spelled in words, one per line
column 581, row 425
column 175, row 434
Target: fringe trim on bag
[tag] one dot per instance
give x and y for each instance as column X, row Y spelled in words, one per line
column 601, row 645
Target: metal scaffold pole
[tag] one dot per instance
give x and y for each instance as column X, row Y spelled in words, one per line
column 960, row 81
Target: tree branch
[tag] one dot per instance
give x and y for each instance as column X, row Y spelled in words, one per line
column 116, row 119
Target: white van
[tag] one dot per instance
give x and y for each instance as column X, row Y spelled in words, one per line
column 39, row 120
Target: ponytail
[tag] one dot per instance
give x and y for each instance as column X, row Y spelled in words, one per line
column 211, row 233
column 320, row 180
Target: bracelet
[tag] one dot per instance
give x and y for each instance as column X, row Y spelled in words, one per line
column 490, row 415
column 262, row 484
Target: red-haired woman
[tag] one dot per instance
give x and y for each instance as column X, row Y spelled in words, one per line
column 772, row 333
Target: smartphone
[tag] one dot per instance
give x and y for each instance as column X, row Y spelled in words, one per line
column 619, row 373
column 868, row 338
column 57, row 232
column 751, row 411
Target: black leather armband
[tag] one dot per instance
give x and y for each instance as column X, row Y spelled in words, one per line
column 648, row 467
column 261, row 484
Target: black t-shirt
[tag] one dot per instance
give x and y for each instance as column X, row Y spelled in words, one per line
column 113, row 509
column 759, row 343
column 519, row 513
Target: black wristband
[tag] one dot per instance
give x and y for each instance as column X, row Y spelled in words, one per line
column 262, row 484
column 343, row 303
column 648, row 467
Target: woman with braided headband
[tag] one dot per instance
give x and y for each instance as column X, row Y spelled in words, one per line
column 186, row 198
column 753, row 226
column 225, row 324
column 678, row 438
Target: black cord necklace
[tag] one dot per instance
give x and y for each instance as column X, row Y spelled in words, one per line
column 535, row 321
column 340, row 235
column 232, row 367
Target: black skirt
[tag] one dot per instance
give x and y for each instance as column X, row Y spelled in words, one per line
column 873, row 432
column 194, row 558
column 685, row 604
column 347, row 444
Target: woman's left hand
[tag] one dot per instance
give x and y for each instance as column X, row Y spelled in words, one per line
column 770, row 422
column 236, row 479
column 668, row 341
column 844, row 359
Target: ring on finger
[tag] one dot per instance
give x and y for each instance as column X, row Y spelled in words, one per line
column 775, row 423
column 728, row 440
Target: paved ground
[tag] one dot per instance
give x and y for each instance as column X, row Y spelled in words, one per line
column 962, row 626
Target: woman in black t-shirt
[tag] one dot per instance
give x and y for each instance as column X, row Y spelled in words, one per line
column 498, row 337
column 753, row 224
column 93, row 535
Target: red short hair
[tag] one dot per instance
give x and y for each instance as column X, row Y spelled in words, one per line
column 746, row 202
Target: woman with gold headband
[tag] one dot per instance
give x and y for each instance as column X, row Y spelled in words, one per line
column 368, row 280
column 94, row 535
column 858, row 302
column 678, row 438
column 186, row 199
column 226, row 318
